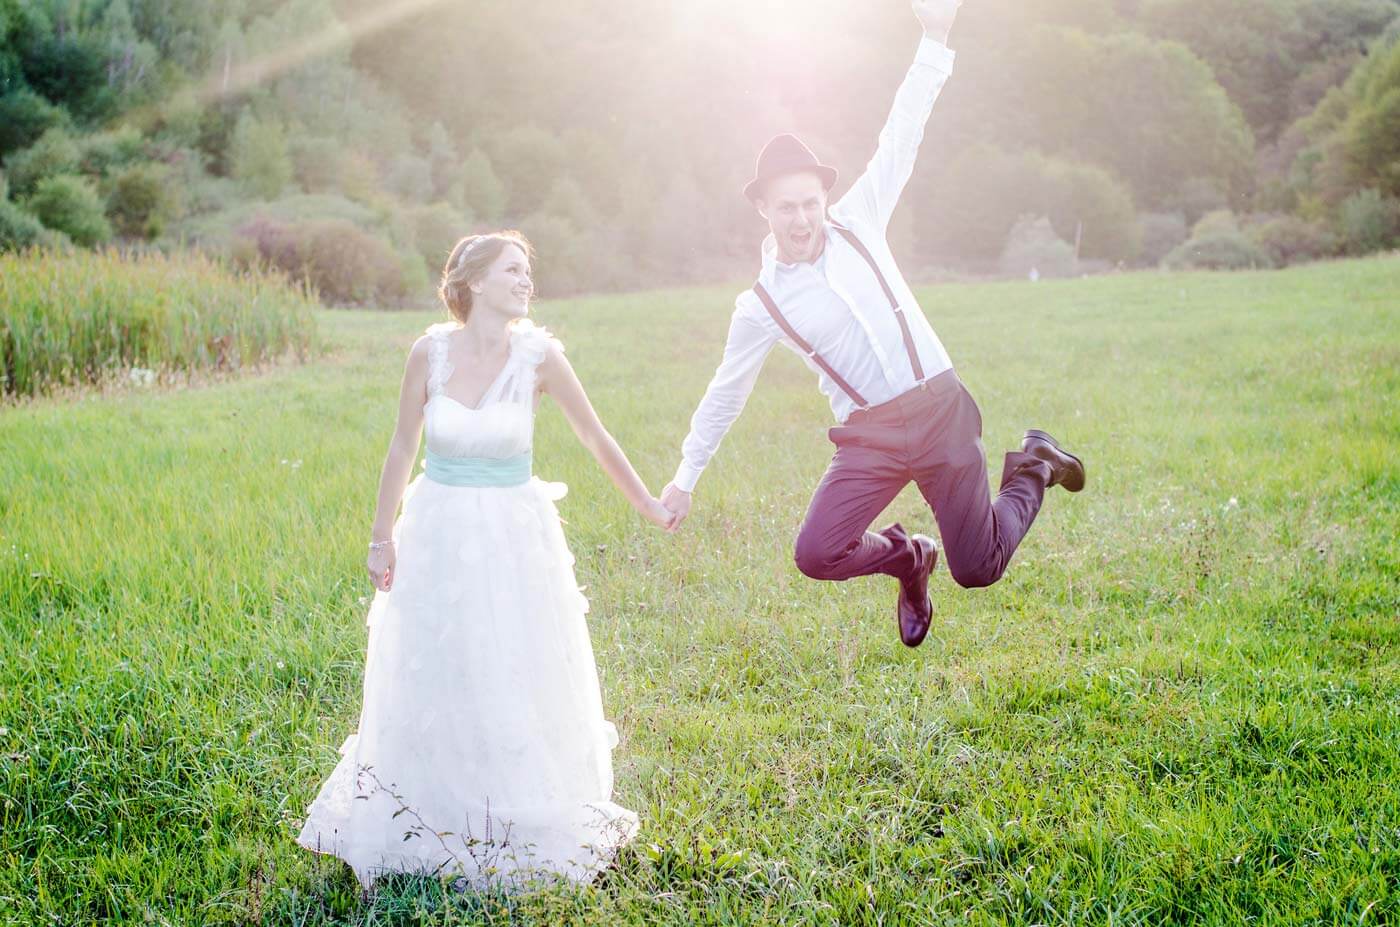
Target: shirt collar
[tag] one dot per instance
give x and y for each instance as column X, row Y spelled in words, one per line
column 768, row 253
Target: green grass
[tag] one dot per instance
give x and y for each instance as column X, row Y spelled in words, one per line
column 88, row 318
column 1181, row 706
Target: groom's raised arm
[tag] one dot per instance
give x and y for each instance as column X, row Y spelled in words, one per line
column 875, row 193
column 745, row 349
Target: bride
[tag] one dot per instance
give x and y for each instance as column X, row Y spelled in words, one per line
column 482, row 749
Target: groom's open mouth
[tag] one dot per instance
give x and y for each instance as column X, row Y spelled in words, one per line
column 801, row 239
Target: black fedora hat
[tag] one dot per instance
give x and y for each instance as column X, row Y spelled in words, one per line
column 783, row 155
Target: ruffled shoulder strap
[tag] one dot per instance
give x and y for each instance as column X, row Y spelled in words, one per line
column 439, row 367
column 529, row 345
column 532, row 341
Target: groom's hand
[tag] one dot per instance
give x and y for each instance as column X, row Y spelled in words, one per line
column 937, row 17
column 678, row 501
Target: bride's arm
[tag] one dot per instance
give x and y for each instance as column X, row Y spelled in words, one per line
column 398, row 463
column 557, row 378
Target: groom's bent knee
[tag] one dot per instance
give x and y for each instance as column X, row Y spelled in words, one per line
column 814, row 559
column 974, row 576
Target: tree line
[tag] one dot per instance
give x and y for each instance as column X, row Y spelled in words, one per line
column 352, row 142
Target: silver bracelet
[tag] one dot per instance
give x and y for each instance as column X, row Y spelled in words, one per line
column 376, row 545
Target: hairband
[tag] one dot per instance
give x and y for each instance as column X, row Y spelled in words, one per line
column 463, row 256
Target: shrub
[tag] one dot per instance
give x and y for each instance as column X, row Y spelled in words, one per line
column 1369, row 221
column 54, row 153
column 142, row 200
column 1217, row 222
column 19, row 230
column 1162, row 232
column 410, row 178
column 344, row 263
column 347, row 264
column 479, row 189
column 1199, row 196
column 1218, row 250
column 357, row 178
column 562, row 265
column 83, row 316
column 1291, row 240
column 107, row 151
column 435, row 229
column 317, row 164
column 24, row 117
column 258, row 156
column 1083, row 199
column 986, row 191
column 216, row 229
column 1034, row 246
column 70, row 205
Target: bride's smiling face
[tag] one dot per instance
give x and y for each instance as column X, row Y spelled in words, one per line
column 506, row 286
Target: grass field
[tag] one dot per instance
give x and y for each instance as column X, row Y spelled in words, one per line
column 1181, row 706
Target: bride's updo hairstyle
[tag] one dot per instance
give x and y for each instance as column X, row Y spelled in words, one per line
column 473, row 257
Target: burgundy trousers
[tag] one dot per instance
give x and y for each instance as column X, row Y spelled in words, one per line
column 933, row 436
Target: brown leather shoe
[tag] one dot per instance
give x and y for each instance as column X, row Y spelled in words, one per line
column 1065, row 469
column 915, row 607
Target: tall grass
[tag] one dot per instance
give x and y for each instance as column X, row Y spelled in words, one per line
column 84, row 317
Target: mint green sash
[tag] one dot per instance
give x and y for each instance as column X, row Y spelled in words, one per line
column 478, row 471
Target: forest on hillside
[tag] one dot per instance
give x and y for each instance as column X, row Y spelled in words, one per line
column 351, row 142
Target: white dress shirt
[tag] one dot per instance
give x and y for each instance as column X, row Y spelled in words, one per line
column 835, row 302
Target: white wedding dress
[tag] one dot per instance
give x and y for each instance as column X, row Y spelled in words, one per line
column 482, row 715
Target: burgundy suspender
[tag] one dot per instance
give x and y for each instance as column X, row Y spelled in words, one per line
column 889, row 294
column 797, row 339
column 807, row 349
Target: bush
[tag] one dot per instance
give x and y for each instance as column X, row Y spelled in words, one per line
column 435, row 229
column 1369, row 222
column 217, row 229
column 479, row 189
column 142, row 200
column 986, row 191
column 70, row 205
column 19, row 230
column 1218, row 222
column 24, row 117
column 1033, row 246
column 1198, row 197
column 344, row 263
column 1162, row 232
column 410, row 178
column 317, row 164
column 258, row 156
column 1082, row 199
column 1291, row 240
column 54, row 153
column 357, row 178
column 1218, row 250
column 562, row 266
column 107, row 151
column 81, row 317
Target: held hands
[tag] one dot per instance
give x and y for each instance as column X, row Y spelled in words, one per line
column 659, row 515
column 677, row 501
column 381, row 564
column 936, row 16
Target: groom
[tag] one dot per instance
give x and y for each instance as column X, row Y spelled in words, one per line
column 830, row 290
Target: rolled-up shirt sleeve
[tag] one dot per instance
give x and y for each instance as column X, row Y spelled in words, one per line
column 875, row 193
column 745, row 350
